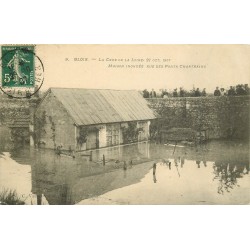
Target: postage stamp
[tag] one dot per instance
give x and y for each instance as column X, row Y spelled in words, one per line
column 21, row 71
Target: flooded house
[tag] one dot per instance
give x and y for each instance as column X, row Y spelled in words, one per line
column 82, row 119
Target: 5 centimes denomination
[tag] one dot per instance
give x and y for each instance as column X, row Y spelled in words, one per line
column 21, row 70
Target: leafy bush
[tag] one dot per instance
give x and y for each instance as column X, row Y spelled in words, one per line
column 10, row 197
column 130, row 133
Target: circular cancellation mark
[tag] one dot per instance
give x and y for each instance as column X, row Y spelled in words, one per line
column 22, row 71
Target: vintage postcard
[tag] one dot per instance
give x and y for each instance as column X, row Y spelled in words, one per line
column 124, row 124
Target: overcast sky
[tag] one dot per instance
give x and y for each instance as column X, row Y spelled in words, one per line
column 204, row 66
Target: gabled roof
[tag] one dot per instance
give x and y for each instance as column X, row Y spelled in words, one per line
column 100, row 106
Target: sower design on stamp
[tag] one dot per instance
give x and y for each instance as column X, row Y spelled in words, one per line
column 21, row 71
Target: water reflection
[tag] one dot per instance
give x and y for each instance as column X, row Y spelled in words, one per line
column 182, row 162
column 61, row 179
column 64, row 180
column 227, row 174
column 154, row 178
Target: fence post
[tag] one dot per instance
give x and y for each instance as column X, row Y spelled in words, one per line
column 103, row 160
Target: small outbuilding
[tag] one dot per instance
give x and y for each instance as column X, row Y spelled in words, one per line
column 82, row 119
column 20, row 128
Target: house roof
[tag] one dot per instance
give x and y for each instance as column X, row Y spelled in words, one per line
column 100, row 106
column 21, row 121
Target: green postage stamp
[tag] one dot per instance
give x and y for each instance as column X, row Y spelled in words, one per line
column 21, row 71
column 18, row 66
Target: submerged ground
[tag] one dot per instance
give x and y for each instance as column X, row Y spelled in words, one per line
column 213, row 173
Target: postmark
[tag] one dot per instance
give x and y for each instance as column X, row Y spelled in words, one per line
column 21, row 71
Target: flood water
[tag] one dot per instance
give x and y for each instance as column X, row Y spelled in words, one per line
column 213, row 173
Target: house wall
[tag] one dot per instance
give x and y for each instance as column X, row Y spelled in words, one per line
column 58, row 128
column 102, row 136
column 123, row 124
column 92, row 139
column 143, row 126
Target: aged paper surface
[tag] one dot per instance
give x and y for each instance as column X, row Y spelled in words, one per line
column 124, row 124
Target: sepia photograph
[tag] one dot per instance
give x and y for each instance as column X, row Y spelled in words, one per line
column 124, row 124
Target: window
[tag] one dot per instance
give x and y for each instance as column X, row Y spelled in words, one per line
column 113, row 132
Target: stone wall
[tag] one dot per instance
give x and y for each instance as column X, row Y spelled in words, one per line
column 223, row 117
